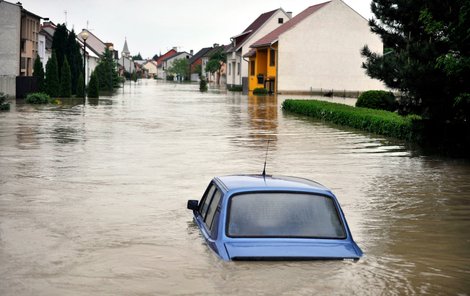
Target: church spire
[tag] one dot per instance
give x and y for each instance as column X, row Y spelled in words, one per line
column 125, row 50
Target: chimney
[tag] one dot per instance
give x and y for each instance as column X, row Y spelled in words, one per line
column 175, row 48
column 289, row 14
column 216, row 45
column 191, row 52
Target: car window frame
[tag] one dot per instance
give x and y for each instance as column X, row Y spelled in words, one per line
column 205, row 196
column 336, row 206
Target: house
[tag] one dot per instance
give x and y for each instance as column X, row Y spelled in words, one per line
column 219, row 77
column 160, row 67
column 141, row 71
column 45, row 38
column 19, row 46
column 196, row 62
column 237, row 71
column 168, row 62
column 150, row 67
column 318, row 49
column 96, row 49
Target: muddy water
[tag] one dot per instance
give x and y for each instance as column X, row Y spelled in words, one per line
column 92, row 199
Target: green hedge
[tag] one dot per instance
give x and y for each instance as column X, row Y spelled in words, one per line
column 38, row 98
column 377, row 99
column 235, row 88
column 375, row 121
column 260, row 91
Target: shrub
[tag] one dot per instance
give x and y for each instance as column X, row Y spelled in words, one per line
column 203, row 85
column 93, row 86
column 236, row 88
column 38, row 98
column 260, row 91
column 4, row 106
column 377, row 99
column 38, row 72
column 376, row 121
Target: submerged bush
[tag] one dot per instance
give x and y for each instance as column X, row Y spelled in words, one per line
column 203, row 85
column 38, row 98
column 376, row 121
column 4, row 106
column 235, row 88
column 377, row 99
column 260, row 91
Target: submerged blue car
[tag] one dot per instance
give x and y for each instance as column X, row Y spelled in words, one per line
column 257, row 217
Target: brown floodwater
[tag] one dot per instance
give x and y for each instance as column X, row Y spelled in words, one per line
column 93, row 198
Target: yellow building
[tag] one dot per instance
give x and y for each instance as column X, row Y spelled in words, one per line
column 262, row 68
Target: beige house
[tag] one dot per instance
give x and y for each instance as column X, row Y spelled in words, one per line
column 151, row 67
column 317, row 50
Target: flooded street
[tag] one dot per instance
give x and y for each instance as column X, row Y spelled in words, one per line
column 93, row 199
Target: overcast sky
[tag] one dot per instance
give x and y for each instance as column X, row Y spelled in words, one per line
column 152, row 26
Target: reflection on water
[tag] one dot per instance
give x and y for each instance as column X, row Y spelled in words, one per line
column 92, row 198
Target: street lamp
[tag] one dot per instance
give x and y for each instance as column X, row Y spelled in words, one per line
column 84, row 35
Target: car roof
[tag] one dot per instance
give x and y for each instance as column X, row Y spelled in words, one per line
column 240, row 182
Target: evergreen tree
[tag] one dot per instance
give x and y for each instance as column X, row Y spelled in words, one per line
column 80, row 87
column 93, row 86
column 74, row 58
column 39, row 73
column 66, row 81
column 426, row 56
column 106, row 71
column 52, row 76
column 59, row 45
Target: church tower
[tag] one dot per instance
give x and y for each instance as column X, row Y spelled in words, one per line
column 125, row 50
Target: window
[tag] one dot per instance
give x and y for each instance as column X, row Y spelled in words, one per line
column 238, row 68
column 272, row 57
column 252, row 68
column 206, row 200
column 280, row 20
column 209, row 219
column 229, row 69
column 284, row 215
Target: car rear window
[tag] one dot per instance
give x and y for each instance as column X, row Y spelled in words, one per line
column 283, row 215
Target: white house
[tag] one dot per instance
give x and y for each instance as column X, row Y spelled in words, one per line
column 151, row 67
column 237, row 67
column 168, row 62
column 95, row 49
column 318, row 49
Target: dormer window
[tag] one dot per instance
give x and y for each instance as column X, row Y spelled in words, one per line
column 280, row 20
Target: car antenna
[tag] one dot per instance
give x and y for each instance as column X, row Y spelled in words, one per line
column 265, row 158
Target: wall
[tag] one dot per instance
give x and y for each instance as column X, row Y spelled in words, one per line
column 323, row 52
column 10, row 20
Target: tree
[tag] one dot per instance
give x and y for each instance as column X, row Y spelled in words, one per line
column 180, row 68
column 427, row 55
column 38, row 72
column 80, row 86
column 216, row 60
column 74, row 57
column 137, row 57
column 106, row 71
column 93, row 86
column 59, row 45
column 52, row 77
column 66, row 81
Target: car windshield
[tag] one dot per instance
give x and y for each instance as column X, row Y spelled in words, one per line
column 284, row 215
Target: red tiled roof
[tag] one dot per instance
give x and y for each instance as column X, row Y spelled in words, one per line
column 274, row 35
column 239, row 39
column 170, row 53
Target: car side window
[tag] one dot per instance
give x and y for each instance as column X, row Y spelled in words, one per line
column 209, row 219
column 206, row 200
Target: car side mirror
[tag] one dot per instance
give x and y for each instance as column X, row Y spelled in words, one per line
column 193, row 205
